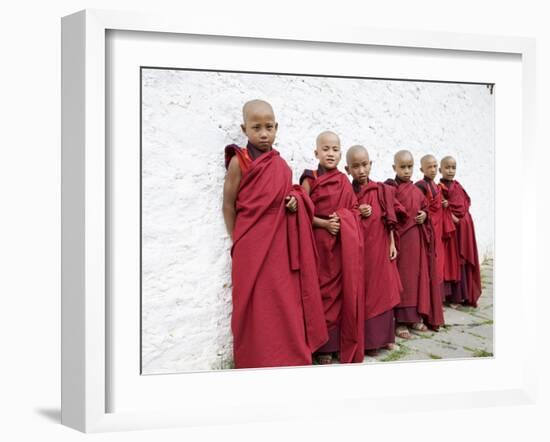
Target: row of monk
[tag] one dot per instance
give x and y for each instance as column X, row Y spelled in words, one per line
column 337, row 268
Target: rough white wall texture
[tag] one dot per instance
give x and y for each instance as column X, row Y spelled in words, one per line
column 188, row 118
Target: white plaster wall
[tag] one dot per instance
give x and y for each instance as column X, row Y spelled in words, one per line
column 188, row 118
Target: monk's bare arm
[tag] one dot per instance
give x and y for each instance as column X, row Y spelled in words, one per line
column 393, row 250
column 332, row 225
column 230, row 189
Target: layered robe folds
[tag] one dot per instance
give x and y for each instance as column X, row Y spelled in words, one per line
column 277, row 317
column 434, row 199
column 381, row 277
column 464, row 259
column 421, row 296
column 340, row 259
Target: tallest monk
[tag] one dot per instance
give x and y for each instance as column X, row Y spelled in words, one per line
column 277, row 317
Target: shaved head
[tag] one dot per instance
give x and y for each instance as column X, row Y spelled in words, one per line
column 447, row 159
column 256, row 106
column 402, row 155
column 427, row 158
column 354, row 150
column 326, row 135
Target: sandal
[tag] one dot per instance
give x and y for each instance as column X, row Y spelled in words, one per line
column 392, row 347
column 419, row 326
column 402, row 332
column 324, row 359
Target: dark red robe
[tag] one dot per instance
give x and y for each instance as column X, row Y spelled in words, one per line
column 434, row 198
column 340, row 259
column 382, row 282
column 421, row 296
column 277, row 317
column 470, row 278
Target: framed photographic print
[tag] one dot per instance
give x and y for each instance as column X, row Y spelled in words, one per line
column 149, row 104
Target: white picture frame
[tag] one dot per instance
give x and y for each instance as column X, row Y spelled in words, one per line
column 85, row 211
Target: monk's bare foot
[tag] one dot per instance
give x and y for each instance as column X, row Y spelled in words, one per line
column 402, row 332
column 324, row 359
column 392, row 347
column 372, row 353
column 454, row 306
column 418, row 326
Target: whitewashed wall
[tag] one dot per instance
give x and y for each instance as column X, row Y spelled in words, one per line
column 188, row 118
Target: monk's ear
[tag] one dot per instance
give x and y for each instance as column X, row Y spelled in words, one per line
column 393, row 167
column 243, row 128
column 315, row 152
column 276, row 126
column 347, row 170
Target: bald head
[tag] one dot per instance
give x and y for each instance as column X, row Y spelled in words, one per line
column 356, row 151
column 447, row 159
column 358, row 163
column 427, row 159
column 402, row 155
column 257, row 107
column 428, row 166
column 327, row 137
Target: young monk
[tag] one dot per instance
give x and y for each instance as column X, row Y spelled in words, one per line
column 435, row 203
column 420, row 300
column 277, row 317
column 381, row 277
column 464, row 283
column 337, row 236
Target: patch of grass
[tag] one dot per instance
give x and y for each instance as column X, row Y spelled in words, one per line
column 480, row 353
column 469, row 349
column 396, row 354
column 443, row 341
column 224, row 364
column 434, row 356
column 476, row 335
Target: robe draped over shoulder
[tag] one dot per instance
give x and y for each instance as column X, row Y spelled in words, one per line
column 277, row 317
column 340, row 259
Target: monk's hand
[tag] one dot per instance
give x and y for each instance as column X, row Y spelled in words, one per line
column 333, row 224
column 393, row 252
column 365, row 210
column 291, row 203
column 455, row 219
column 421, row 217
column 445, row 203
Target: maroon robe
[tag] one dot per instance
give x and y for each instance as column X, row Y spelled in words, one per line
column 382, row 282
column 421, row 296
column 470, row 278
column 340, row 260
column 277, row 317
column 434, row 198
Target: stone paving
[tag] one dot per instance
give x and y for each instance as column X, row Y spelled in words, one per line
column 468, row 331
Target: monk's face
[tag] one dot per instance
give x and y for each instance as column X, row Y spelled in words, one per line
column 359, row 166
column 328, row 151
column 448, row 169
column 403, row 167
column 260, row 127
column 429, row 167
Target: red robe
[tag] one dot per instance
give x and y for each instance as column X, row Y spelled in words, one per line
column 277, row 317
column 416, row 258
column 340, row 259
column 459, row 205
column 381, row 277
column 434, row 198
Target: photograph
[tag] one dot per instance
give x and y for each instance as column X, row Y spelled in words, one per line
column 304, row 220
